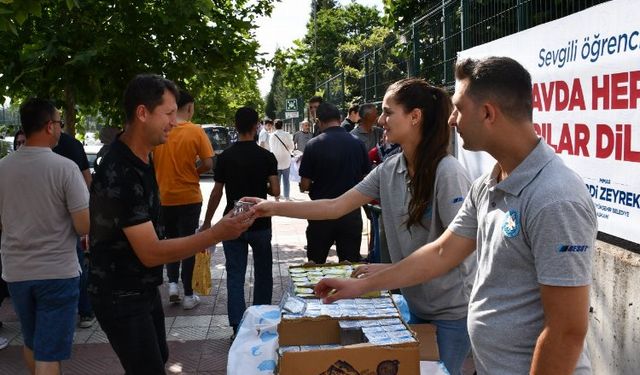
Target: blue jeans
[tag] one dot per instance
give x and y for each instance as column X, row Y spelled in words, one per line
column 84, row 305
column 47, row 313
column 283, row 177
column 236, row 252
column 453, row 341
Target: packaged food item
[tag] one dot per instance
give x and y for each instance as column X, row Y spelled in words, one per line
column 240, row 207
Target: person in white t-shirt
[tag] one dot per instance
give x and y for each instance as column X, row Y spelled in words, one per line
column 281, row 145
column 263, row 138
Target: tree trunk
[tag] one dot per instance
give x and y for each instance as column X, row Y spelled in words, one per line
column 69, row 111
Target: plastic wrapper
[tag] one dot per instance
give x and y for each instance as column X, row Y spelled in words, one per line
column 201, row 282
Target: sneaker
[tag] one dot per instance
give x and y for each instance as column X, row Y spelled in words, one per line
column 189, row 302
column 174, row 296
column 86, row 321
column 3, row 343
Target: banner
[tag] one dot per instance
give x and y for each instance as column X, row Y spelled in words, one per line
column 586, row 96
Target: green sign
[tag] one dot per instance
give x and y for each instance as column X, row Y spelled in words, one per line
column 291, row 105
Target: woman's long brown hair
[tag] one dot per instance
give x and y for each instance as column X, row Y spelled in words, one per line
column 436, row 106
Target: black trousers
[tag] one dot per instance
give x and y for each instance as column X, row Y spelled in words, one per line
column 345, row 232
column 134, row 324
column 181, row 221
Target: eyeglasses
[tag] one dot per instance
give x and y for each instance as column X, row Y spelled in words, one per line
column 61, row 122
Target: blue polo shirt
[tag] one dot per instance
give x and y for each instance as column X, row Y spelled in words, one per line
column 335, row 162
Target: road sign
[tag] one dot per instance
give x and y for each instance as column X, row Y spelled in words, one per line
column 291, row 105
column 290, row 115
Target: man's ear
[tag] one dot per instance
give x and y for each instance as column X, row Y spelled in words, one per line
column 490, row 112
column 142, row 113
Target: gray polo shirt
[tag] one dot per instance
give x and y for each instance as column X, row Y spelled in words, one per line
column 538, row 226
column 38, row 192
column 370, row 139
column 447, row 296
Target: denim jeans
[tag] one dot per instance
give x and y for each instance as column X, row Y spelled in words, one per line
column 453, row 341
column 84, row 305
column 47, row 313
column 236, row 252
column 134, row 324
column 283, row 177
column 181, row 221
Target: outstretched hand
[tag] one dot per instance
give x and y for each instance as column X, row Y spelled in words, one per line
column 231, row 227
column 261, row 207
column 331, row 290
column 369, row 269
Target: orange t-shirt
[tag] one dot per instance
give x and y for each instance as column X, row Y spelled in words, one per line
column 175, row 164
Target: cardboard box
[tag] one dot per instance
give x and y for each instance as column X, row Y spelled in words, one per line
column 426, row 334
column 354, row 359
column 365, row 358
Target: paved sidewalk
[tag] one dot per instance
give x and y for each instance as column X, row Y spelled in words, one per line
column 198, row 338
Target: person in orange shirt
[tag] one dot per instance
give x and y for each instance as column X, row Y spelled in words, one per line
column 180, row 196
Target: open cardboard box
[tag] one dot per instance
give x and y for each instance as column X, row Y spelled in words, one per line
column 365, row 358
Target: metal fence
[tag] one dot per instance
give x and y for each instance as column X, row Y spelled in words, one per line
column 429, row 46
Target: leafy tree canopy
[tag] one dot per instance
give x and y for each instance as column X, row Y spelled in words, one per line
column 83, row 52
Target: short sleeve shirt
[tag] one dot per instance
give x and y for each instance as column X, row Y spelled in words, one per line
column 244, row 169
column 175, row 164
column 124, row 193
column 335, row 162
column 445, row 297
column 536, row 227
column 71, row 148
column 369, row 139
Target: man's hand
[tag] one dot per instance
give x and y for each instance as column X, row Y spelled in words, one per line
column 331, row 290
column 261, row 207
column 231, row 227
column 369, row 269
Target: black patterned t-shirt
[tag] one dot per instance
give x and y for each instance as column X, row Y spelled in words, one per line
column 124, row 193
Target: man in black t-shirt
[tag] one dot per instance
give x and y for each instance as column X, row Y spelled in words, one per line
column 72, row 149
column 126, row 251
column 333, row 163
column 245, row 170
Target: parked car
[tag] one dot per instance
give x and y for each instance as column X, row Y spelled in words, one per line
column 220, row 139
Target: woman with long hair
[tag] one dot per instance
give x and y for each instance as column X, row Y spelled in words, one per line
column 420, row 191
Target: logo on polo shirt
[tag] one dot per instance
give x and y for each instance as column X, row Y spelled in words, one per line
column 573, row 248
column 511, row 223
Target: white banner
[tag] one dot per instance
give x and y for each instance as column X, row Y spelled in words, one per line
column 586, row 96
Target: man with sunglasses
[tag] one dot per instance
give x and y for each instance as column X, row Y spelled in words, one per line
column 44, row 206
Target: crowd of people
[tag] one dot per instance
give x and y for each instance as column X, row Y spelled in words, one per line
column 478, row 260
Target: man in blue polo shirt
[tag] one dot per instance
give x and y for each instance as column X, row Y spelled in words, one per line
column 332, row 163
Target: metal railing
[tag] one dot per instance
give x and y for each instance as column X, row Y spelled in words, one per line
column 429, row 46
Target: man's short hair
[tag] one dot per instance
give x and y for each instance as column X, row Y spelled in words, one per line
column 267, row 121
column 354, row 108
column 147, row 90
column 246, row 119
column 184, row 99
column 327, row 112
column 316, row 99
column 305, row 121
column 35, row 113
column 365, row 109
column 278, row 123
column 500, row 79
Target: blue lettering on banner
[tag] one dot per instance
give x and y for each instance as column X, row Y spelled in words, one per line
column 625, row 198
column 255, row 351
column 573, row 248
column 593, row 47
